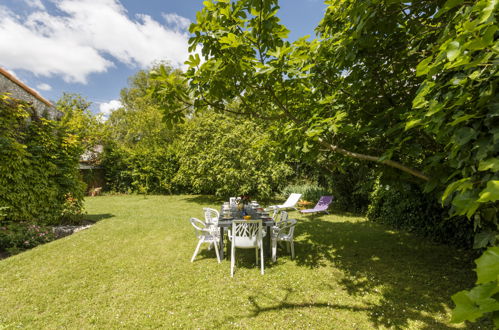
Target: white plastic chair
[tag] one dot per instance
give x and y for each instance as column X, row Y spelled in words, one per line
column 211, row 216
column 204, row 235
column 246, row 234
column 290, row 203
column 275, row 213
column 284, row 216
column 283, row 231
column 232, row 201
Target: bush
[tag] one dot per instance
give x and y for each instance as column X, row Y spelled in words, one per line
column 351, row 188
column 228, row 156
column 309, row 191
column 141, row 170
column 404, row 206
column 38, row 164
column 72, row 211
column 16, row 237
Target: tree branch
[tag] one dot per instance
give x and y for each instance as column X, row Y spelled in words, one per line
column 388, row 162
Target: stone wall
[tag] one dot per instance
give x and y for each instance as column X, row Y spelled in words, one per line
column 9, row 84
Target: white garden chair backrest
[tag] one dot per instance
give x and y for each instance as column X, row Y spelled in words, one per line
column 211, row 216
column 274, row 213
column 246, row 233
column 284, row 216
column 292, row 200
column 232, row 201
column 199, row 227
column 286, row 228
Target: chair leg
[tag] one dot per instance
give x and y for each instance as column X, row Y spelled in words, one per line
column 292, row 243
column 274, row 250
column 232, row 259
column 216, row 251
column 261, row 257
column 256, row 255
column 287, row 246
column 197, row 249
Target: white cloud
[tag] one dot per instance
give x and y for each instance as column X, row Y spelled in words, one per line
column 35, row 4
column 177, row 21
column 44, row 87
column 107, row 107
column 88, row 38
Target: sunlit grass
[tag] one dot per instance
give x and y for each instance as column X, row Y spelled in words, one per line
column 132, row 270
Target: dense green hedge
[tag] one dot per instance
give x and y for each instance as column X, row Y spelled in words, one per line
column 229, row 156
column 141, row 170
column 351, row 188
column 309, row 191
column 39, row 179
column 404, row 206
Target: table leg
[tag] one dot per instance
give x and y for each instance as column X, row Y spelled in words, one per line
column 269, row 242
column 221, row 247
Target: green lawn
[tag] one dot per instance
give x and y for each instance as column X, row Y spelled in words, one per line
column 132, row 269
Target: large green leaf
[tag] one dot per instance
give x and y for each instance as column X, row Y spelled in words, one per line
column 422, row 67
column 453, row 50
column 488, row 10
column 466, row 309
column 460, row 185
column 449, row 4
column 491, row 193
column 465, row 204
column 464, row 135
column 488, row 266
column 489, row 164
column 484, row 239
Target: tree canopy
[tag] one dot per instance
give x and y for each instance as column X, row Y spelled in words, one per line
column 410, row 85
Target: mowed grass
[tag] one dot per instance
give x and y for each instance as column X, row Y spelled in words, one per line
column 132, row 269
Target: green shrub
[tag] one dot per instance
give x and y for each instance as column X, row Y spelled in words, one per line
column 352, row 187
column 309, row 191
column 229, row 156
column 404, row 206
column 19, row 236
column 38, row 164
column 72, row 210
column 140, row 170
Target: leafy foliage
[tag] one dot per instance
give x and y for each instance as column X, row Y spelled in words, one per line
column 19, row 236
column 79, row 121
column 411, row 85
column 457, row 105
column 309, row 191
column 140, row 170
column 483, row 298
column 138, row 154
column 405, row 206
column 229, row 156
column 38, row 164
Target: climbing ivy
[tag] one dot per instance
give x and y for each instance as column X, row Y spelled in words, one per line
column 38, row 165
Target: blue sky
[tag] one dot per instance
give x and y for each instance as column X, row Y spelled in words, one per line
column 91, row 47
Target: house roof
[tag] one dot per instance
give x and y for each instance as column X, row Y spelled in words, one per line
column 31, row 91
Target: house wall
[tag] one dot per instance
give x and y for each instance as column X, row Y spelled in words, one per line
column 19, row 91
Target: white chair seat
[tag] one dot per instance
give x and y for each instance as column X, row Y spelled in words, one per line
column 204, row 235
column 283, row 231
column 246, row 234
column 290, row 203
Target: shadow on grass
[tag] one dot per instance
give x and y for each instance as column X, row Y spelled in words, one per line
column 245, row 258
column 203, row 200
column 413, row 278
column 93, row 218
